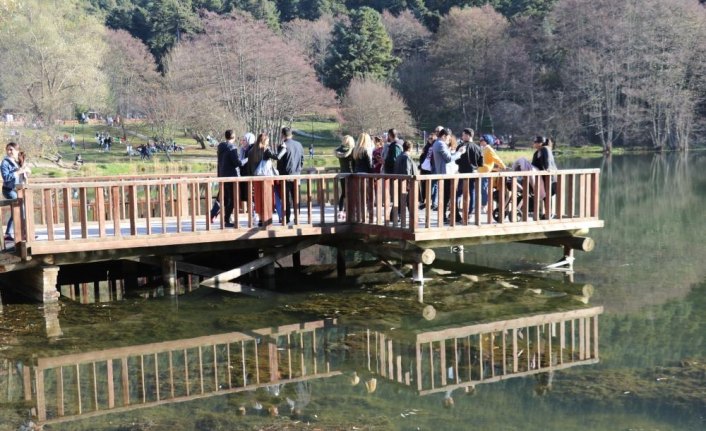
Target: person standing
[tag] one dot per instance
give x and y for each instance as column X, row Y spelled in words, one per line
column 229, row 165
column 290, row 159
column 345, row 160
column 469, row 164
column 442, row 156
column 491, row 163
column 258, row 152
column 405, row 165
column 12, row 174
column 394, row 149
column 363, row 155
column 377, row 154
column 426, row 167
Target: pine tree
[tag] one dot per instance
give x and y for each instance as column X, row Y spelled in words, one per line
column 360, row 49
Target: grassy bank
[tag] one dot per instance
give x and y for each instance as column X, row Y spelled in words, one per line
column 325, row 135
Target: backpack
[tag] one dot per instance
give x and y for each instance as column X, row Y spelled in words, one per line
column 393, row 151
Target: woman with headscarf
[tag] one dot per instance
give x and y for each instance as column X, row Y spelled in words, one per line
column 258, row 152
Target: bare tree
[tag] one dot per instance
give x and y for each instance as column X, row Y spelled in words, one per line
column 476, row 75
column 312, row 37
column 632, row 66
column 131, row 72
column 373, row 106
column 241, row 67
column 409, row 36
column 51, row 59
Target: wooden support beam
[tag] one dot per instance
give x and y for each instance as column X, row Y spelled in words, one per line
column 259, row 263
column 399, row 251
column 572, row 242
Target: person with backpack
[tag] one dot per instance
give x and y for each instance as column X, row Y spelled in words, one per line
column 442, row 156
column 468, row 164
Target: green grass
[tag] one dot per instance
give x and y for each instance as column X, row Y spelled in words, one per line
column 195, row 159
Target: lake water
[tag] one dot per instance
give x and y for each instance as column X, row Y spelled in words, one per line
column 498, row 344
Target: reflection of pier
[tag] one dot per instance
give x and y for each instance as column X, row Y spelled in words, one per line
column 116, row 380
column 448, row 359
column 84, row 385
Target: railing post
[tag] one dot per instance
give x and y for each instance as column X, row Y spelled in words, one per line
column 413, row 203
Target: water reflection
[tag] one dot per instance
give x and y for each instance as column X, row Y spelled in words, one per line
column 280, row 363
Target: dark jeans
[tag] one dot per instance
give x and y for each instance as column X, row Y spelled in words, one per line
column 448, row 195
column 471, row 192
column 343, row 194
column 290, row 190
column 227, row 200
column 10, row 194
column 434, row 190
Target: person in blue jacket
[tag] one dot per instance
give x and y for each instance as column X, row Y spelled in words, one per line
column 12, row 174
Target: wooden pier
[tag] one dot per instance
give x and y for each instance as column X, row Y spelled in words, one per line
column 84, row 385
column 75, row 220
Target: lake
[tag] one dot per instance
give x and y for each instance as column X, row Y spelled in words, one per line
column 498, row 343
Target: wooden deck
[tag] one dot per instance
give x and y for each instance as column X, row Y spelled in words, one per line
column 85, row 215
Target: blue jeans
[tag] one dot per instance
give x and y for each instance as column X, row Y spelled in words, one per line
column 472, row 192
column 9, row 194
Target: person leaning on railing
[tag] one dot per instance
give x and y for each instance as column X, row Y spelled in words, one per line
column 12, row 174
column 491, row 163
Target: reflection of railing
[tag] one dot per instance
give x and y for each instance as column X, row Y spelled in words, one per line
column 460, row 357
column 83, row 385
column 121, row 379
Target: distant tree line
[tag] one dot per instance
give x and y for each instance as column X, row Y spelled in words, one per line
column 608, row 72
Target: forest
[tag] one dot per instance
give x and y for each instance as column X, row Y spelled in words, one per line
column 614, row 73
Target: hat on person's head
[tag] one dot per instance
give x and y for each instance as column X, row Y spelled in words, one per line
column 249, row 138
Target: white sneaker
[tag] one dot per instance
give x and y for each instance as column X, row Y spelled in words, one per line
column 484, row 210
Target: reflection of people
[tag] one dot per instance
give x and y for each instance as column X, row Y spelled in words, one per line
column 12, row 174
column 448, row 401
column 544, row 383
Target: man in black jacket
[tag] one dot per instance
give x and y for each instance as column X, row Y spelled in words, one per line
column 290, row 159
column 229, row 165
column 468, row 164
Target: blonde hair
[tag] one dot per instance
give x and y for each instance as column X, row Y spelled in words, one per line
column 348, row 141
column 453, row 143
column 365, row 145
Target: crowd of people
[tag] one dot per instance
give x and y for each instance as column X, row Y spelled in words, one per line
column 253, row 156
column 442, row 154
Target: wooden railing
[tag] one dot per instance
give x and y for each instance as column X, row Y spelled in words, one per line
column 141, row 208
column 512, row 197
